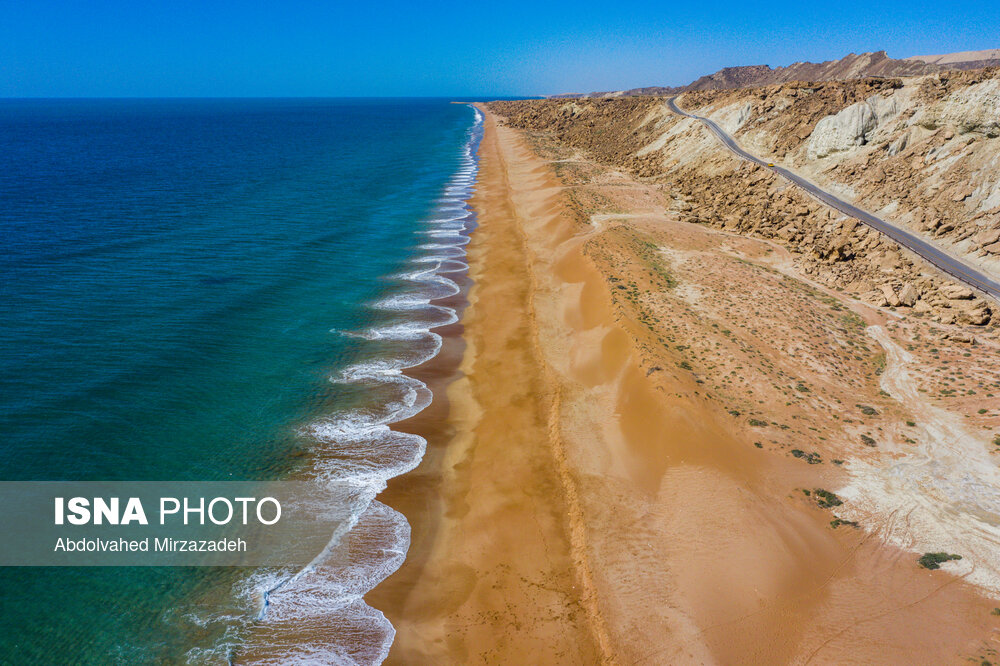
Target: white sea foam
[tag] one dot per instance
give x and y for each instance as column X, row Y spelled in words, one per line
column 318, row 614
column 458, row 240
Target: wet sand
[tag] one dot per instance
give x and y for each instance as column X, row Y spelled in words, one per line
column 489, row 573
column 578, row 505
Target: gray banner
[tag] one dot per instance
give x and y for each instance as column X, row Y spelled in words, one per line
column 228, row 523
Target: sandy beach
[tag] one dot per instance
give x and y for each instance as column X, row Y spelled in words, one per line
column 592, row 491
column 441, row 334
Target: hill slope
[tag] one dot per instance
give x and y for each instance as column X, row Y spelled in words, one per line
column 852, row 66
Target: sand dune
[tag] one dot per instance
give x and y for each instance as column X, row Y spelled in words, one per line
column 961, row 56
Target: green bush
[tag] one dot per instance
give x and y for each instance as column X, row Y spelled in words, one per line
column 837, row 522
column 934, row 560
column 825, row 499
column 811, row 458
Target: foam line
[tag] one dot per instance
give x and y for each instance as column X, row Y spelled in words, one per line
column 321, row 607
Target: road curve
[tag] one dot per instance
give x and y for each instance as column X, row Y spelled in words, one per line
column 945, row 262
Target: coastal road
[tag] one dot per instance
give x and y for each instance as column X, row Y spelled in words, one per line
column 934, row 255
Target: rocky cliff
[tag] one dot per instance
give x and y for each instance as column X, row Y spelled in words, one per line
column 923, row 152
column 840, row 120
column 852, row 66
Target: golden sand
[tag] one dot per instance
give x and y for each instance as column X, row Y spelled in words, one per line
column 581, row 502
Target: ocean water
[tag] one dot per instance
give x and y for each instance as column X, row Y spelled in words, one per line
column 214, row 290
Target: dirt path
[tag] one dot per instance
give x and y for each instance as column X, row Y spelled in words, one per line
column 943, row 492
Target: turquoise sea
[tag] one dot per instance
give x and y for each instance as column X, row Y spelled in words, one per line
column 221, row 290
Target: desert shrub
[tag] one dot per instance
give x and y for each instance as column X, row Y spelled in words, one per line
column 934, row 560
column 837, row 522
column 811, row 458
column 825, row 499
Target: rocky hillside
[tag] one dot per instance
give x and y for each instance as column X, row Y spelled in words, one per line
column 923, row 152
column 852, row 66
column 708, row 185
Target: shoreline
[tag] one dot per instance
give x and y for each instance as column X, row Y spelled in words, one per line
column 581, row 504
column 319, row 611
column 476, row 548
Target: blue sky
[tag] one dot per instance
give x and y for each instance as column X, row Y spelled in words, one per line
column 52, row 48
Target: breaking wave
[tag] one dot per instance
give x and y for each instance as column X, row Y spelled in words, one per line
column 318, row 614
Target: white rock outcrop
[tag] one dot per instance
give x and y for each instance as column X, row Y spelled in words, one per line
column 732, row 117
column 974, row 109
column 885, row 108
column 851, row 127
column 845, row 130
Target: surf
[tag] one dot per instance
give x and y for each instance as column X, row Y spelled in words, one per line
column 322, row 606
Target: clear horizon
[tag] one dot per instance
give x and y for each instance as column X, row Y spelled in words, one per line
column 60, row 49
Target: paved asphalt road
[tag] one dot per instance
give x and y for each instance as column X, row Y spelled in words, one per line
column 951, row 265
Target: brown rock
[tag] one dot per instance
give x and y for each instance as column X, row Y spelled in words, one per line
column 908, row 295
column 988, row 237
column 977, row 315
column 957, row 292
column 876, row 299
column 961, row 336
column 962, row 192
column 890, row 295
column 888, row 262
